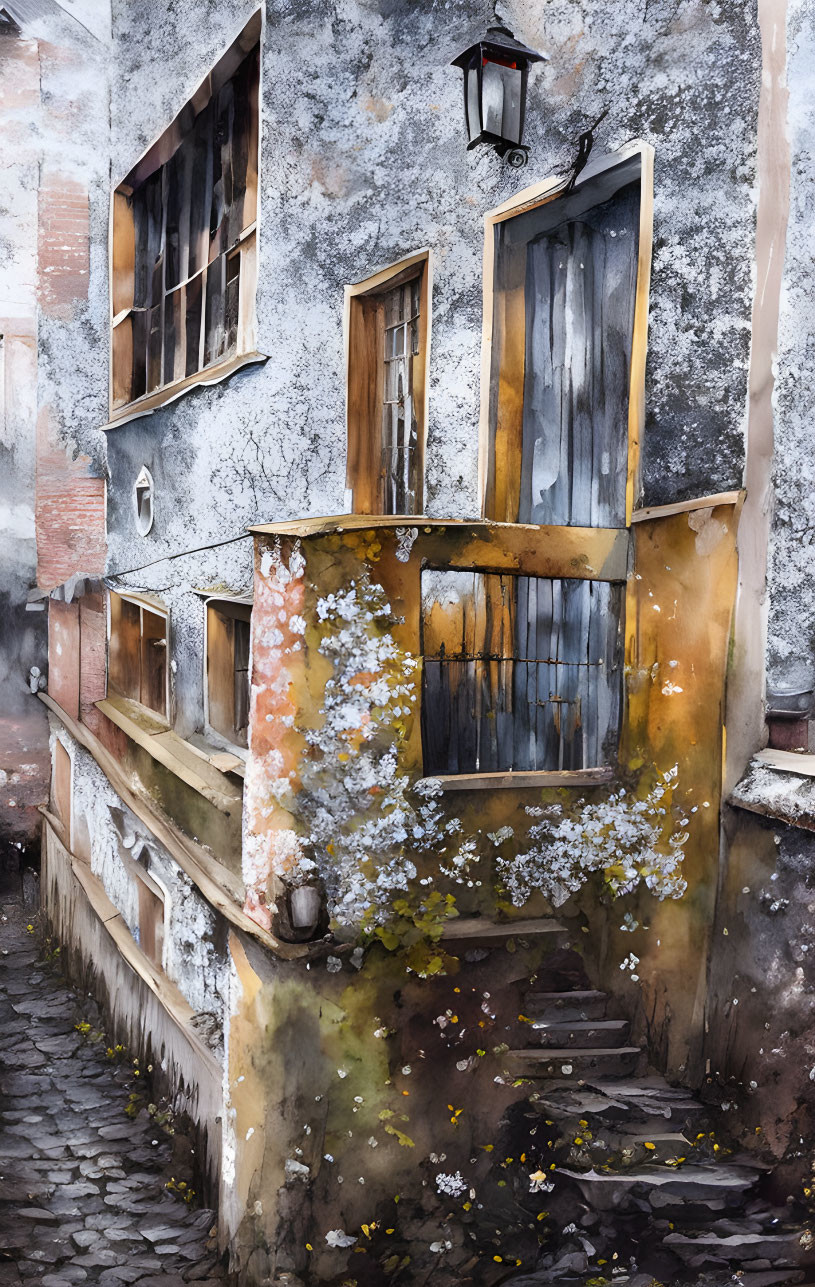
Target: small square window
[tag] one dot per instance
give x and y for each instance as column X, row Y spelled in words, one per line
column 228, row 678
column 137, row 663
column 151, row 920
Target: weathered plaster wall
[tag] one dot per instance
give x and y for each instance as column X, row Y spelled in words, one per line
column 373, row 1132
column 791, row 642
column 53, row 222
column 760, row 1039
column 761, row 1045
column 133, row 1014
column 335, row 793
column 376, row 114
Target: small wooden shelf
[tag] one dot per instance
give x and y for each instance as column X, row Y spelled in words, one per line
column 477, row 929
column 165, row 746
column 540, row 779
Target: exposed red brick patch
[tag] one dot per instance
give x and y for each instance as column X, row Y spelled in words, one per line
column 788, row 734
column 70, row 511
column 64, row 245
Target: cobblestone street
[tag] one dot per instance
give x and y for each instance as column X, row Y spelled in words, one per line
column 82, row 1184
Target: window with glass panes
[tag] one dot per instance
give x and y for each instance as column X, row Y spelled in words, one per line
column 183, row 239
column 387, row 369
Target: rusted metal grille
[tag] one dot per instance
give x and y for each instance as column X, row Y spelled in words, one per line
column 520, row 673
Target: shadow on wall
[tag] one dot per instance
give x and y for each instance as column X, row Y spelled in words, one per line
column 24, row 759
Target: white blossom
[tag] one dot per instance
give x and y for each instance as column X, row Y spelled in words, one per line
column 453, row 1185
column 339, row 1238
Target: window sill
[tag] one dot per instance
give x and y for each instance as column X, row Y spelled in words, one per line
column 515, row 781
column 228, row 756
column 170, row 750
column 151, row 402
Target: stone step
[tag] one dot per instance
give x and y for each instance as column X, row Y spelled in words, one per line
column 579, row 1032
column 574, row 1004
column 671, row 1186
column 573, row 1061
column 644, row 1145
column 774, row 1278
column 781, row 1249
column 477, row 931
column 597, row 1095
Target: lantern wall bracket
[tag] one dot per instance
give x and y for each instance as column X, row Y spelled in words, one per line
column 516, row 156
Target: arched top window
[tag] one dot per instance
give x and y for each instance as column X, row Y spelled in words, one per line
column 143, row 501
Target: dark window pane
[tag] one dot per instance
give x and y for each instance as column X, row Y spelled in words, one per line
column 154, row 662
column 173, row 336
column 242, row 685
column 124, row 661
column 154, row 343
column 178, row 189
column 232, row 301
column 193, row 325
column 140, row 331
column 148, row 225
column 215, row 335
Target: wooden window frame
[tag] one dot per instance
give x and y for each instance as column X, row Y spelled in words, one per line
column 144, row 605
column 123, row 407
column 528, row 199
column 225, row 607
column 62, row 791
column 153, row 902
column 364, row 357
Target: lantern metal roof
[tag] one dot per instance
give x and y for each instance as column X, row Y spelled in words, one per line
column 499, row 40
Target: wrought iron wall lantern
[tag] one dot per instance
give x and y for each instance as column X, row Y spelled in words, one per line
column 496, row 69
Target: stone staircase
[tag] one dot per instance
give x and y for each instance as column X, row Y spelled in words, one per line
column 640, row 1168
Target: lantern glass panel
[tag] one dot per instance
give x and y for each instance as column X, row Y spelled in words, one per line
column 501, row 100
column 472, row 100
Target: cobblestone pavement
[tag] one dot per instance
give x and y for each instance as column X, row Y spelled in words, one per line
column 82, row 1185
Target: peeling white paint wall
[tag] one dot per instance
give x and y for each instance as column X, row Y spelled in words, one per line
column 193, row 958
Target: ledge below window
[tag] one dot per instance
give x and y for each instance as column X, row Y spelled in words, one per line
column 779, row 785
column 170, row 750
column 538, row 778
column 151, row 402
